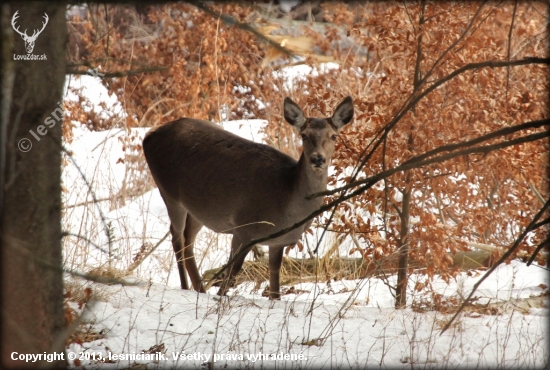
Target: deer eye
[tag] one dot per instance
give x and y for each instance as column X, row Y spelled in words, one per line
column 304, row 137
column 333, row 137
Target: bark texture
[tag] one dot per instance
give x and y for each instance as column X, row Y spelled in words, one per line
column 30, row 229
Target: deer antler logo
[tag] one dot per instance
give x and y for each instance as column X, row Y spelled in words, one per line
column 29, row 40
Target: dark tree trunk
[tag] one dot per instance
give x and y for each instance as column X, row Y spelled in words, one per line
column 30, row 213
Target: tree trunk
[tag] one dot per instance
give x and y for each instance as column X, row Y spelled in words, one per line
column 404, row 243
column 403, row 262
column 30, row 213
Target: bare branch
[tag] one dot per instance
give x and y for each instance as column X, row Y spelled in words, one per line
column 20, row 247
column 545, row 243
column 446, row 148
column 66, row 233
column 85, row 203
column 537, row 194
column 135, row 265
column 90, row 63
column 115, row 74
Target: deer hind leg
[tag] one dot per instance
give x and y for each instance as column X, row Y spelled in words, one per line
column 275, row 260
column 192, row 228
column 236, row 265
column 178, row 215
column 177, row 243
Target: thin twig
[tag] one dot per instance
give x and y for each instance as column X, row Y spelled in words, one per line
column 545, row 243
column 21, row 247
column 413, row 99
column 66, row 233
column 86, row 202
column 509, row 47
column 134, row 266
column 537, row 194
column 92, row 193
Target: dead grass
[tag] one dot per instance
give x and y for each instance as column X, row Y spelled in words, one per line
column 77, row 296
column 85, row 334
column 107, row 273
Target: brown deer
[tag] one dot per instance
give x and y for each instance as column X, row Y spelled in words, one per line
column 211, row 177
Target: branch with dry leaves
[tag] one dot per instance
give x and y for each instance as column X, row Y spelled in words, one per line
column 415, row 162
column 230, row 21
column 411, row 102
column 204, row 101
column 423, row 158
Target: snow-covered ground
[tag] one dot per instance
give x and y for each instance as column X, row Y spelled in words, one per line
column 317, row 329
column 344, row 324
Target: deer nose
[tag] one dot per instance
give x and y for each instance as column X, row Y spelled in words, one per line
column 317, row 160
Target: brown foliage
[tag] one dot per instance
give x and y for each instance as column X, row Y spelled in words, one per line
column 477, row 198
column 212, row 67
column 206, row 61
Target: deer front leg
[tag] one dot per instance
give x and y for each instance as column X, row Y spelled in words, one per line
column 275, row 260
column 235, row 266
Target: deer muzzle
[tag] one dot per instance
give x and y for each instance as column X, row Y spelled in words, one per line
column 317, row 160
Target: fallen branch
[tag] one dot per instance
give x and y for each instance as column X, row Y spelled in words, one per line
column 296, row 270
column 493, row 248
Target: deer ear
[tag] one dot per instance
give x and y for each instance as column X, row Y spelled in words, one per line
column 293, row 113
column 343, row 113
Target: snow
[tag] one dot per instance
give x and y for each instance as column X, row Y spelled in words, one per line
column 97, row 94
column 319, row 327
column 287, row 5
column 336, row 324
column 294, row 74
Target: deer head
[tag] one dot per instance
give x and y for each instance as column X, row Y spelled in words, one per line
column 29, row 40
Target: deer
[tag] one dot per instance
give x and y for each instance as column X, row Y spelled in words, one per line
column 29, row 40
column 210, row 177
